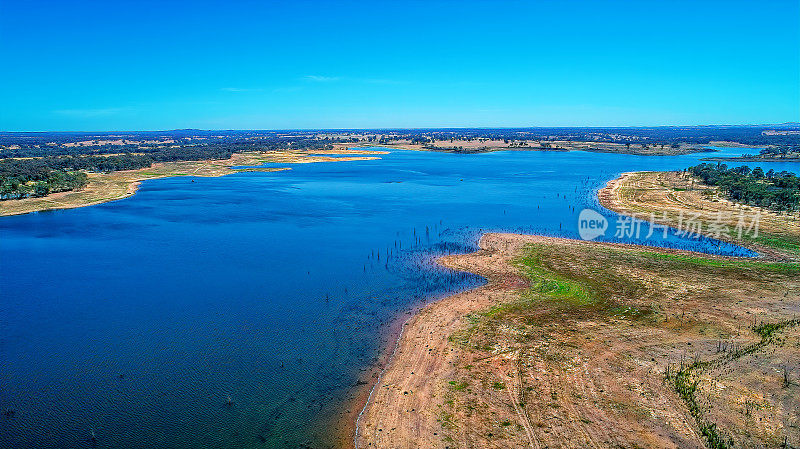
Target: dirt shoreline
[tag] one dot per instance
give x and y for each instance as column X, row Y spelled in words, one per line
column 347, row 416
column 344, row 423
column 411, row 405
column 477, row 147
column 671, row 197
column 107, row 187
column 450, row 306
column 422, row 348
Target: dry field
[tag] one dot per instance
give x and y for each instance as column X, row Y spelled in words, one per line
column 680, row 196
column 93, row 143
column 105, row 187
column 578, row 344
column 485, row 145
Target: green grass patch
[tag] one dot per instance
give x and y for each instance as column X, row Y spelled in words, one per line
column 549, row 284
column 780, row 267
column 458, row 386
column 556, row 293
column 767, row 330
column 775, row 241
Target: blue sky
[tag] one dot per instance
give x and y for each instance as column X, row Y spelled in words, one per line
column 142, row 65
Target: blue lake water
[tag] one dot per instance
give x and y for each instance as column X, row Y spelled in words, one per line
column 137, row 319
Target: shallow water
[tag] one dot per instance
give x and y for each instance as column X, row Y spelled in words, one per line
column 137, row 319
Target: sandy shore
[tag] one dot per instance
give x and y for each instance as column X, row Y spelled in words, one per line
column 402, row 411
column 415, row 403
column 578, row 381
column 344, row 416
column 399, row 404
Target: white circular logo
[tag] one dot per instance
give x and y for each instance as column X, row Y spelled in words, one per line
column 591, row 224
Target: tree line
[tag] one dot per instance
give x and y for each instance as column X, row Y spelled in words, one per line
column 37, row 183
column 47, row 144
column 34, row 177
column 781, row 151
column 771, row 189
column 23, row 177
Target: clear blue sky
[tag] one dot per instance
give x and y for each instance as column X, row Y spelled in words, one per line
column 143, row 65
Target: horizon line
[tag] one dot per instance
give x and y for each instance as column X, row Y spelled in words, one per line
column 742, row 125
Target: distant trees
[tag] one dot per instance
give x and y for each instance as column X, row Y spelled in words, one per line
column 41, row 184
column 781, row 151
column 35, row 177
column 783, row 139
column 38, row 171
column 31, row 159
column 775, row 190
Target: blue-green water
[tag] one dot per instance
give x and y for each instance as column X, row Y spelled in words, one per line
column 137, row 319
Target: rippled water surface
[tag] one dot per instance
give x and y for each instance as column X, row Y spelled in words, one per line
column 138, row 319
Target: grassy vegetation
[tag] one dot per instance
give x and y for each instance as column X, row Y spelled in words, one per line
column 554, row 294
column 458, row 386
column 776, row 241
column 637, row 292
column 686, row 387
column 672, row 196
column 767, row 330
column 552, row 285
column 786, row 268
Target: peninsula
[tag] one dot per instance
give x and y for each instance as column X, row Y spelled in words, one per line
column 587, row 344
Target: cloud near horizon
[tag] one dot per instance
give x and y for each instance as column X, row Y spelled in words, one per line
column 241, row 89
column 321, row 79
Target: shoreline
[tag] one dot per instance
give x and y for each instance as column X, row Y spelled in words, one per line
column 398, row 406
column 668, row 194
column 51, row 202
column 405, row 406
column 456, row 306
column 367, row 398
column 408, row 326
column 346, row 422
column 108, row 187
column 494, row 280
column 567, row 146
